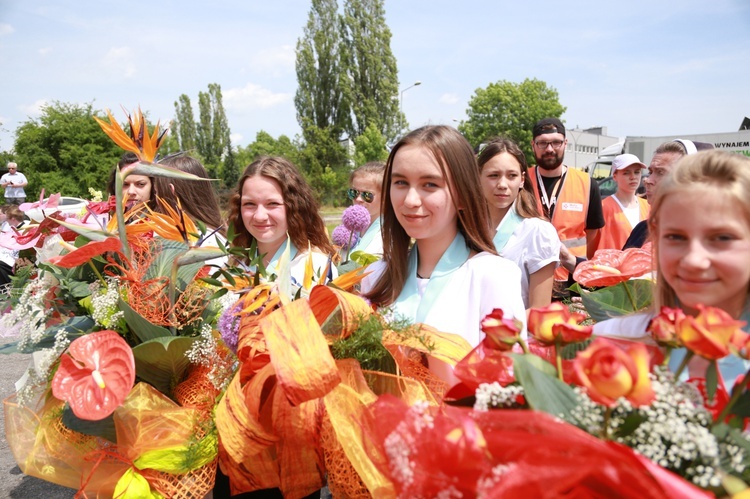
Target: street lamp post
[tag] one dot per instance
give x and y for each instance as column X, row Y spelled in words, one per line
column 401, row 102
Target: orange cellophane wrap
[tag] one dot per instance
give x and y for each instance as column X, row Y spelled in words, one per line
column 266, row 442
column 197, row 391
column 485, row 365
column 252, row 351
column 147, row 420
column 507, row 454
column 338, row 309
column 299, row 352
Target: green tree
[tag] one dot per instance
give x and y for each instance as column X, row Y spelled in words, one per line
column 510, row 109
column 230, row 173
column 266, row 145
column 370, row 146
column 183, row 125
column 324, row 162
column 321, row 97
column 212, row 129
column 372, row 67
column 65, row 150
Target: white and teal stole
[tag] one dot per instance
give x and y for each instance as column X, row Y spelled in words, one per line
column 371, row 233
column 507, row 226
column 409, row 304
column 272, row 264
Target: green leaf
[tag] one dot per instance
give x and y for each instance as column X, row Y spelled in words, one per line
column 199, row 255
column 140, row 326
column 73, row 328
column 103, row 428
column 167, row 252
column 741, row 408
column 614, row 301
column 362, row 258
column 631, row 423
column 569, row 351
column 544, row 392
column 9, row 348
column 712, row 380
column 154, row 170
column 162, row 361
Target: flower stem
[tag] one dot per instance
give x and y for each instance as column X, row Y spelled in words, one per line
column 524, row 346
column 667, row 356
column 736, row 394
column 119, row 214
column 558, row 357
column 101, row 279
column 605, row 424
column 688, row 356
column 349, row 245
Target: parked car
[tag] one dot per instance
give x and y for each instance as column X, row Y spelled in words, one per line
column 67, row 205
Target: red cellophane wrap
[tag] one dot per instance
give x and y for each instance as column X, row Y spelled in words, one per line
column 506, row 453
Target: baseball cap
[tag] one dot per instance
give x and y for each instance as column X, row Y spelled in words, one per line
column 624, row 160
column 548, row 125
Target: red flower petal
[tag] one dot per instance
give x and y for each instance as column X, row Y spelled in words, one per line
column 86, row 253
column 609, row 267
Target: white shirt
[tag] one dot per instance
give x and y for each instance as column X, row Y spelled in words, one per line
column 16, row 178
column 533, row 245
column 483, row 283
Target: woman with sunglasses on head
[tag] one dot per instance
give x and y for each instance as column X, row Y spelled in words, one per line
column 451, row 277
column 365, row 184
column 521, row 234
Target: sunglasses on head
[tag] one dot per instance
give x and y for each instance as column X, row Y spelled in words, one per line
column 367, row 197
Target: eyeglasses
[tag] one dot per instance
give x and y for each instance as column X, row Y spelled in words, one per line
column 556, row 144
column 367, row 197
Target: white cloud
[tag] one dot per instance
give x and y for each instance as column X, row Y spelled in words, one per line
column 33, row 110
column 274, row 60
column 236, row 138
column 252, row 96
column 120, row 61
column 44, row 51
column 449, row 99
column 6, row 29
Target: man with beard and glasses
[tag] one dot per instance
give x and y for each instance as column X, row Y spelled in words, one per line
column 567, row 197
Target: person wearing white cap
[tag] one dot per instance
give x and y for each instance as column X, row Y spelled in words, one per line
column 623, row 210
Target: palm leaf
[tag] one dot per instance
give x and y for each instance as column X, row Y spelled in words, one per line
column 162, row 361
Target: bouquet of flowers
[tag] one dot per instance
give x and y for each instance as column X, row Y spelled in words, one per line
column 565, row 415
column 119, row 314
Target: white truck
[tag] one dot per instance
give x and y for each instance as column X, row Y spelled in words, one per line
column 644, row 147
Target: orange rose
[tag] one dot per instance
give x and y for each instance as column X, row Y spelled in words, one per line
column 501, row 333
column 663, row 327
column 542, row 322
column 710, row 333
column 608, row 372
column 572, row 333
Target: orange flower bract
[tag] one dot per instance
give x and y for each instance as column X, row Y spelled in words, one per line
column 610, row 266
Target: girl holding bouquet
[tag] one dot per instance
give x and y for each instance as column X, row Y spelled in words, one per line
column 452, row 276
column 700, row 225
column 521, row 234
column 272, row 201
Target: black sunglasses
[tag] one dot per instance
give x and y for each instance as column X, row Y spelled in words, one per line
column 353, row 194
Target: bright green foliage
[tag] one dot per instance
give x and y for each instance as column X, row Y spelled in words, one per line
column 372, row 69
column 230, row 173
column 370, row 146
column 65, row 150
column 212, row 129
column 183, row 127
column 321, row 97
column 510, row 109
column 324, row 163
column 266, row 145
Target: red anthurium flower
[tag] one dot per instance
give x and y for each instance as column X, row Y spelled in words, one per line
column 96, row 375
column 710, row 333
column 608, row 372
column 501, row 333
column 610, row 266
column 663, row 327
column 81, row 255
column 543, row 321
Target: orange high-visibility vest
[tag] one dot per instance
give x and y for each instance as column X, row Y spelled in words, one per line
column 616, row 226
column 570, row 211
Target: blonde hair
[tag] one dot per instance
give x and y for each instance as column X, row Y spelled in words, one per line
column 729, row 172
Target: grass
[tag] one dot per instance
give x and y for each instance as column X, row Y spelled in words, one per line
column 331, row 216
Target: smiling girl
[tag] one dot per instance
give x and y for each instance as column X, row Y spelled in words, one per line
column 521, row 235
column 451, row 277
column 700, row 222
column 273, row 199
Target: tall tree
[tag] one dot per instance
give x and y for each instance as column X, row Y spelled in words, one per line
column 213, row 128
column 266, row 145
column 372, row 68
column 510, row 109
column 183, row 125
column 370, row 146
column 321, row 97
column 65, row 150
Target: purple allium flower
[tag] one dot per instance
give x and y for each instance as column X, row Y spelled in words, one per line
column 356, row 218
column 229, row 326
column 341, row 237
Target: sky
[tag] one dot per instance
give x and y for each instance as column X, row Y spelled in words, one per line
column 643, row 68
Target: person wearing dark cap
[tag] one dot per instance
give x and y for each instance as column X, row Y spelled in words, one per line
column 623, row 210
column 567, row 197
column 665, row 156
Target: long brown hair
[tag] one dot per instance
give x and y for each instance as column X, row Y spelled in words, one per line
column 302, row 217
column 458, row 165
column 525, row 202
column 729, row 172
column 197, row 197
